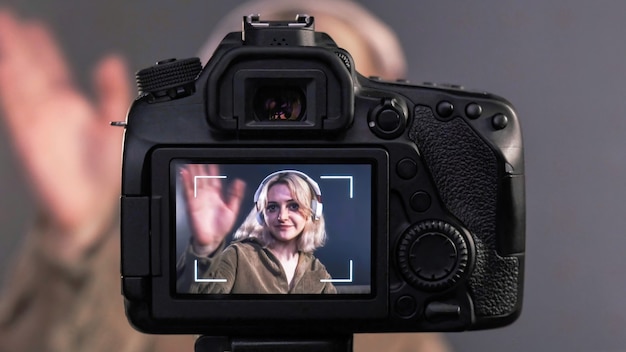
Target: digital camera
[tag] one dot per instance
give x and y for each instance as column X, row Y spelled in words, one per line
column 420, row 188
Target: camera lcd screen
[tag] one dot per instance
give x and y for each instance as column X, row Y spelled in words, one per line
column 273, row 228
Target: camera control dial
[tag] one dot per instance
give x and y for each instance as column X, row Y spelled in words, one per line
column 172, row 77
column 433, row 255
column 388, row 119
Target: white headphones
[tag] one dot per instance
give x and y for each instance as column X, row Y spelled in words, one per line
column 316, row 202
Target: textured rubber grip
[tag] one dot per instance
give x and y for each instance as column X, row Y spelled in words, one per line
column 465, row 171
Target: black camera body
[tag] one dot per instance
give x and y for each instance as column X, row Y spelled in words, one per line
column 422, row 186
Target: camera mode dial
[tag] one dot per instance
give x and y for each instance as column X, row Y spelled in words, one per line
column 433, row 255
column 172, row 77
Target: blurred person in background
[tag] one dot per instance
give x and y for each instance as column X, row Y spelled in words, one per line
column 64, row 291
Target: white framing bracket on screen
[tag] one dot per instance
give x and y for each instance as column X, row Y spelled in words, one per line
column 195, row 274
column 196, row 279
column 340, row 280
column 351, row 190
column 349, row 178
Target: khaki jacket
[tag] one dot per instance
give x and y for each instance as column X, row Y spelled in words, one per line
column 247, row 267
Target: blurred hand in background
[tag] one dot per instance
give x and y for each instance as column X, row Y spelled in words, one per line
column 63, row 138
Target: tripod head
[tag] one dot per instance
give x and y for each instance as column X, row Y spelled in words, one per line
column 223, row 344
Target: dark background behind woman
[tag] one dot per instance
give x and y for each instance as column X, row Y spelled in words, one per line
column 563, row 66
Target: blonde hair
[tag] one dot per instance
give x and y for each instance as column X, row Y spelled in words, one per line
column 312, row 236
column 382, row 46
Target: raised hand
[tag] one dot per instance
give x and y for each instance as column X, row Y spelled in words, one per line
column 71, row 154
column 212, row 212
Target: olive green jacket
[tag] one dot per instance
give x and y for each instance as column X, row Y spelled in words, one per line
column 247, row 267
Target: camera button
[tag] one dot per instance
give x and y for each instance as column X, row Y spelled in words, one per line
column 438, row 311
column 420, row 201
column 406, row 168
column 499, row 121
column 388, row 120
column 445, row 109
column 473, row 110
column 406, row 306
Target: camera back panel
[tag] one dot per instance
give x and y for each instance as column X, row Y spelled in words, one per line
column 422, row 189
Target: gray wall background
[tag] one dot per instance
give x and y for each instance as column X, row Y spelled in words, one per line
column 561, row 63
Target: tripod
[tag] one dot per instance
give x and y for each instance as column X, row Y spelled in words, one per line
column 291, row 344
